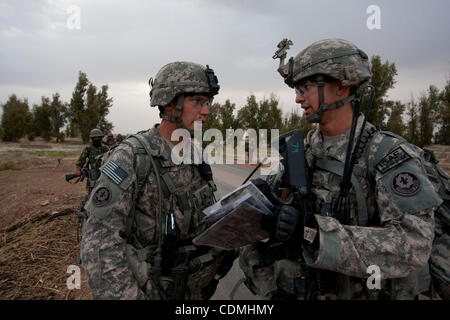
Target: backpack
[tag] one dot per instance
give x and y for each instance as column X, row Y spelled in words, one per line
column 439, row 260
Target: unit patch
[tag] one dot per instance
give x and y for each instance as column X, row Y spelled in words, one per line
column 392, row 160
column 114, row 172
column 102, row 196
column 405, row 184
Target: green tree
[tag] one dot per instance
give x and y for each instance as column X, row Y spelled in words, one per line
column 295, row 121
column 89, row 108
column 246, row 115
column 395, row 122
column 383, row 79
column 269, row 115
column 58, row 116
column 427, row 108
column 16, row 118
column 226, row 116
column 213, row 121
column 103, row 105
column 443, row 116
column 264, row 114
column 41, row 118
column 413, row 130
column 76, row 112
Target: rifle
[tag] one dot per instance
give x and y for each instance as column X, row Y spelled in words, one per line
column 83, row 174
column 293, row 190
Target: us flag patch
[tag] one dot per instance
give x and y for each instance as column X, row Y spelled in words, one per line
column 114, row 172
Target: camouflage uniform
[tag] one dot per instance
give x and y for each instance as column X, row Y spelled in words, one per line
column 88, row 158
column 125, row 236
column 392, row 205
column 398, row 233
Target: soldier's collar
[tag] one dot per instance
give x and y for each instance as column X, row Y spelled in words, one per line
column 159, row 144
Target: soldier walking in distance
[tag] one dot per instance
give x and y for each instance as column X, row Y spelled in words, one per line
column 145, row 210
column 88, row 164
column 89, row 158
column 386, row 219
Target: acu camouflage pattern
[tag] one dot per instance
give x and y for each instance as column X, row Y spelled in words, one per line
column 117, row 269
column 337, row 58
column 399, row 235
column 176, row 78
column 400, row 230
column 267, row 281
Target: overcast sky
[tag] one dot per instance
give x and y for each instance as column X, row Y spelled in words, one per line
column 123, row 43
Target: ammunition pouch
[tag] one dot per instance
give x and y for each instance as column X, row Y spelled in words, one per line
column 189, row 261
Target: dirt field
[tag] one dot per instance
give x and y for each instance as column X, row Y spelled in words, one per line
column 38, row 224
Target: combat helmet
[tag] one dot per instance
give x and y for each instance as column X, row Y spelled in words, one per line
column 96, row 133
column 330, row 58
column 177, row 79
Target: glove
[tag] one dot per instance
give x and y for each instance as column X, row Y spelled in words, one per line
column 83, row 173
column 288, row 220
column 268, row 222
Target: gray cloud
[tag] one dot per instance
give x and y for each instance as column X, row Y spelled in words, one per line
column 124, row 43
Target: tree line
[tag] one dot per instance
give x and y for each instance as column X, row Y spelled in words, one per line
column 422, row 121
column 86, row 110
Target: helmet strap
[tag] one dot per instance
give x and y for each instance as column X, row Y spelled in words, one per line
column 315, row 117
column 178, row 111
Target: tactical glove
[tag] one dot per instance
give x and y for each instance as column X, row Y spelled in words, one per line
column 288, row 220
column 268, row 222
column 83, row 174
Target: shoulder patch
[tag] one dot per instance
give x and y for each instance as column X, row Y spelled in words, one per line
column 405, row 184
column 114, row 172
column 392, row 159
column 102, row 196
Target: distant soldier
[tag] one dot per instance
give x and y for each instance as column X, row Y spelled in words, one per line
column 88, row 165
column 88, row 160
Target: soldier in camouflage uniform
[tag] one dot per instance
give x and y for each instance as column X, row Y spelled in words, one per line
column 392, row 202
column 145, row 209
column 88, row 164
column 88, row 159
